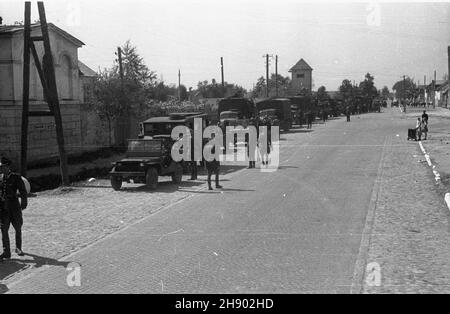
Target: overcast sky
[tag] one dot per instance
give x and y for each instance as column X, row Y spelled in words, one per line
column 338, row 39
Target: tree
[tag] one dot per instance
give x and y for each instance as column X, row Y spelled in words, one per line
column 347, row 90
column 284, row 84
column 367, row 88
column 107, row 102
column 259, row 91
column 215, row 90
column 117, row 98
column 322, row 93
column 404, row 88
column 183, row 93
column 134, row 68
column 385, row 93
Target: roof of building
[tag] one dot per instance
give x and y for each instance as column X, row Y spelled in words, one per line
column 438, row 83
column 443, row 87
column 301, row 65
column 85, row 70
column 11, row 29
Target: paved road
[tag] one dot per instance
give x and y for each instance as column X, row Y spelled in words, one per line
column 295, row 230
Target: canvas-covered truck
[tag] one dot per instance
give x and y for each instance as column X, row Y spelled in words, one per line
column 164, row 125
column 145, row 161
column 300, row 107
column 282, row 107
column 233, row 111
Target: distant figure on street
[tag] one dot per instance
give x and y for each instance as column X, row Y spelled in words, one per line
column 425, row 116
column 310, row 117
column 424, row 127
column 11, row 209
column 213, row 167
column 418, row 129
column 347, row 113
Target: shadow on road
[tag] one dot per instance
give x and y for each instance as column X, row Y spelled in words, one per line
column 29, row 261
column 300, row 131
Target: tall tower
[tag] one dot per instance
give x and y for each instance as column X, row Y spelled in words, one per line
column 301, row 77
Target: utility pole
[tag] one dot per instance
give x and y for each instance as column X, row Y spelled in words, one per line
column 26, row 89
column 122, row 120
column 267, row 75
column 221, row 69
column 119, row 55
column 434, row 90
column 48, row 81
column 425, row 88
column 222, row 76
column 276, row 75
column 179, row 84
column 403, row 88
column 448, row 54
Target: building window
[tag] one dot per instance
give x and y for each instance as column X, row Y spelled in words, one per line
column 302, row 75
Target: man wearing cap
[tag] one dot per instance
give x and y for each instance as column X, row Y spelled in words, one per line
column 11, row 209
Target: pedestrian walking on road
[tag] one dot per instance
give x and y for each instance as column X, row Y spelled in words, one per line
column 11, row 209
column 347, row 113
column 213, row 167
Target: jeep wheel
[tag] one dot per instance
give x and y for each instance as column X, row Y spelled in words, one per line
column 151, row 178
column 177, row 176
column 116, row 183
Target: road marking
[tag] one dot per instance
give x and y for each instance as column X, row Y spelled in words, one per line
column 359, row 272
column 437, row 176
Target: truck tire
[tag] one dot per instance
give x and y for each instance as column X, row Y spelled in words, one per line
column 151, row 178
column 177, row 176
column 116, row 183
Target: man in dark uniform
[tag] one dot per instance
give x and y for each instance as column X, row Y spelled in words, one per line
column 213, row 167
column 251, row 164
column 11, row 209
column 425, row 116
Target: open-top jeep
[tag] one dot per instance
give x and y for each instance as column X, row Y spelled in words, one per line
column 145, row 161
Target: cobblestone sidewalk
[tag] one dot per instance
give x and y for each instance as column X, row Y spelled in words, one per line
column 59, row 222
column 411, row 232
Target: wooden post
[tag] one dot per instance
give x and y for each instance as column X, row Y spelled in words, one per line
column 26, row 89
column 222, row 76
column 276, row 75
column 434, row 90
column 49, row 72
column 448, row 93
column 267, row 75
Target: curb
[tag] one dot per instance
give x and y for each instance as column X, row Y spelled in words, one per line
column 360, row 268
column 437, row 176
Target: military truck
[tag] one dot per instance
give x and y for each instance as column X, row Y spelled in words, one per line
column 146, row 160
column 234, row 111
column 164, row 125
column 282, row 107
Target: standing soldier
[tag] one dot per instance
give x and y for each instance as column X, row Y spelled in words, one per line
column 213, row 167
column 11, row 209
column 251, row 163
column 347, row 113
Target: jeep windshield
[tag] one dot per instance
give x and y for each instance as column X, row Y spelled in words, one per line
column 229, row 115
column 144, row 146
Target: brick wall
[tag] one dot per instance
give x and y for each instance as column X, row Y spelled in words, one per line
column 83, row 131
